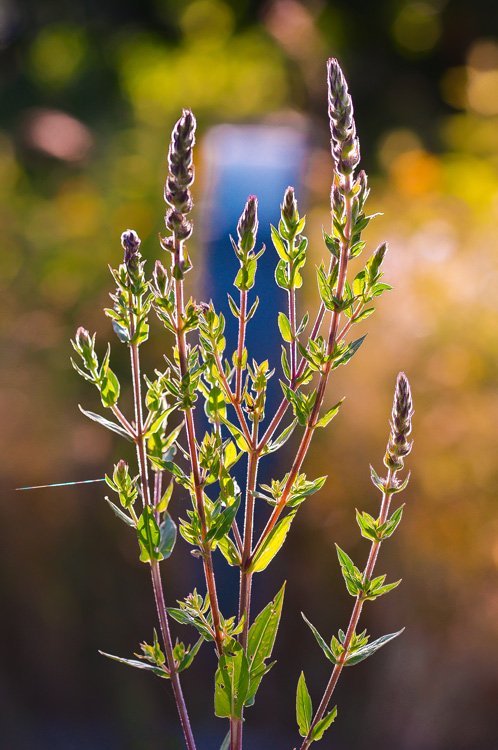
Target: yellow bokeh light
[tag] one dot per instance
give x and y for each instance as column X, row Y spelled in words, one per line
column 57, row 55
column 416, row 28
column 207, row 20
column 78, row 208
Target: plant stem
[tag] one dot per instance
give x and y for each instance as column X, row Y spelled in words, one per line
column 168, row 648
column 246, row 576
column 198, row 489
column 240, row 348
column 293, row 345
column 154, row 565
column 124, row 422
column 232, row 399
column 355, row 616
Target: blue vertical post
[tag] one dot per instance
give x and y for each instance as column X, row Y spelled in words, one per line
column 243, row 160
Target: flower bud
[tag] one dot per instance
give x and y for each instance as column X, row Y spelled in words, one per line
column 345, row 145
column 130, row 242
column 401, row 424
column 247, row 227
column 120, row 473
column 290, row 214
column 83, row 340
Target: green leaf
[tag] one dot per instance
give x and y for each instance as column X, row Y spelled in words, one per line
column 279, row 244
column 390, row 526
column 183, row 617
column 158, row 421
column 231, row 683
column 304, row 708
column 121, row 332
column 233, row 307
column 229, row 551
column 215, row 405
column 245, row 276
column 226, row 742
column 138, row 664
column 345, row 560
column 364, row 314
column 330, row 414
column 237, row 434
column 88, row 376
column 285, row 364
column 398, row 487
column 350, row 572
column 309, row 489
column 378, row 481
column 331, row 243
column 105, row 423
column 189, row 656
column 167, row 531
column 253, row 309
column 282, row 438
column 260, row 642
column 381, row 590
column 223, row 522
column 164, row 501
column 351, row 349
column 326, row 650
column 371, row 648
column 170, row 466
column 285, row 329
column 323, row 724
column 123, row 516
column 281, row 276
column 109, row 389
column 148, row 535
column 272, row 544
column 367, row 529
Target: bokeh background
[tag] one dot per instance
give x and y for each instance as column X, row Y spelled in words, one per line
column 90, row 91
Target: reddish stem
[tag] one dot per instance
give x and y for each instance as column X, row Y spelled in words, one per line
column 240, row 348
column 353, row 622
column 154, row 566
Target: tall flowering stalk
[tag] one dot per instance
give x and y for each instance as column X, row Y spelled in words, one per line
column 232, row 387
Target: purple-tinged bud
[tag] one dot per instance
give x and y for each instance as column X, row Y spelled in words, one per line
column 401, row 424
column 340, row 103
column 202, row 307
column 130, row 242
column 83, row 340
column 180, row 161
column 247, row 227
column 120, row 472
column 345, row 146
column 290, row 214
column 167, row 243
column 362, row 182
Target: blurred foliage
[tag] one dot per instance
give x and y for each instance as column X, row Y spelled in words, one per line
column 90, row 92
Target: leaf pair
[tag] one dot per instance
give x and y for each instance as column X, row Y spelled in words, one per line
column 304, row 713
column 239, row 674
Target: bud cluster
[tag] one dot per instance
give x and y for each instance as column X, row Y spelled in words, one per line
column 130, row 242
column 290, row 213
column 247, row 228
column 401, row 425
column 181, row 176
column 345, row 144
